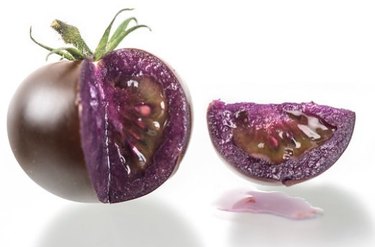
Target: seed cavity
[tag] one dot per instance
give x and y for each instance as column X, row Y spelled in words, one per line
column 143, row 116
column 276, row 141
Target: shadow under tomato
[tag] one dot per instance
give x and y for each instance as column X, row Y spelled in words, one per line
column 143, row 222
column 344, row 222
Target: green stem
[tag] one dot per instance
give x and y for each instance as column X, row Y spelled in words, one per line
column 71, row 35
column 100, row 50
column 79, row 50
column 62, row 53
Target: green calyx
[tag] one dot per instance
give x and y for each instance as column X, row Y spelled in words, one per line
column 78, row 49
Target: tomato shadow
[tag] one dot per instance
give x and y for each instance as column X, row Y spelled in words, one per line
column 345, row 222
column 142, row 222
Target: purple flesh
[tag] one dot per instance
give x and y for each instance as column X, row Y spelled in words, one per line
column 118, row 170
column 222, row 124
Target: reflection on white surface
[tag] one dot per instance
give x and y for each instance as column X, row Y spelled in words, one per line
column 143, row 222
column 269, row 202
column 345, row 223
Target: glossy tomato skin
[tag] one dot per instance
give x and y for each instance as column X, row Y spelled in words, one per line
column 43, row 131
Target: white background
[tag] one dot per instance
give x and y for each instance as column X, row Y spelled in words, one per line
column 260, row 51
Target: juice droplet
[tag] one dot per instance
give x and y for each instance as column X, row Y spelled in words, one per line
column 274, row 203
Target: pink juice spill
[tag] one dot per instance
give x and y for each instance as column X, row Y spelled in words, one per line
column 275, row 203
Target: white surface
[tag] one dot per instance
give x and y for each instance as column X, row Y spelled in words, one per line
column 261, row 51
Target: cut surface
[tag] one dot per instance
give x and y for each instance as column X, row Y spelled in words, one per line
column 135, row 123
column 280, row 139
column 279, row 143
column 140, row 123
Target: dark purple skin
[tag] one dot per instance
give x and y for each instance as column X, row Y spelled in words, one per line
column 43, row 131
column 70, row 150
column 98, row 124
column 221, row 123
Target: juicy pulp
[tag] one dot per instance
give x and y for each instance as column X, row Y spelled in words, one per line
column 135, row 123
column 235, row 139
